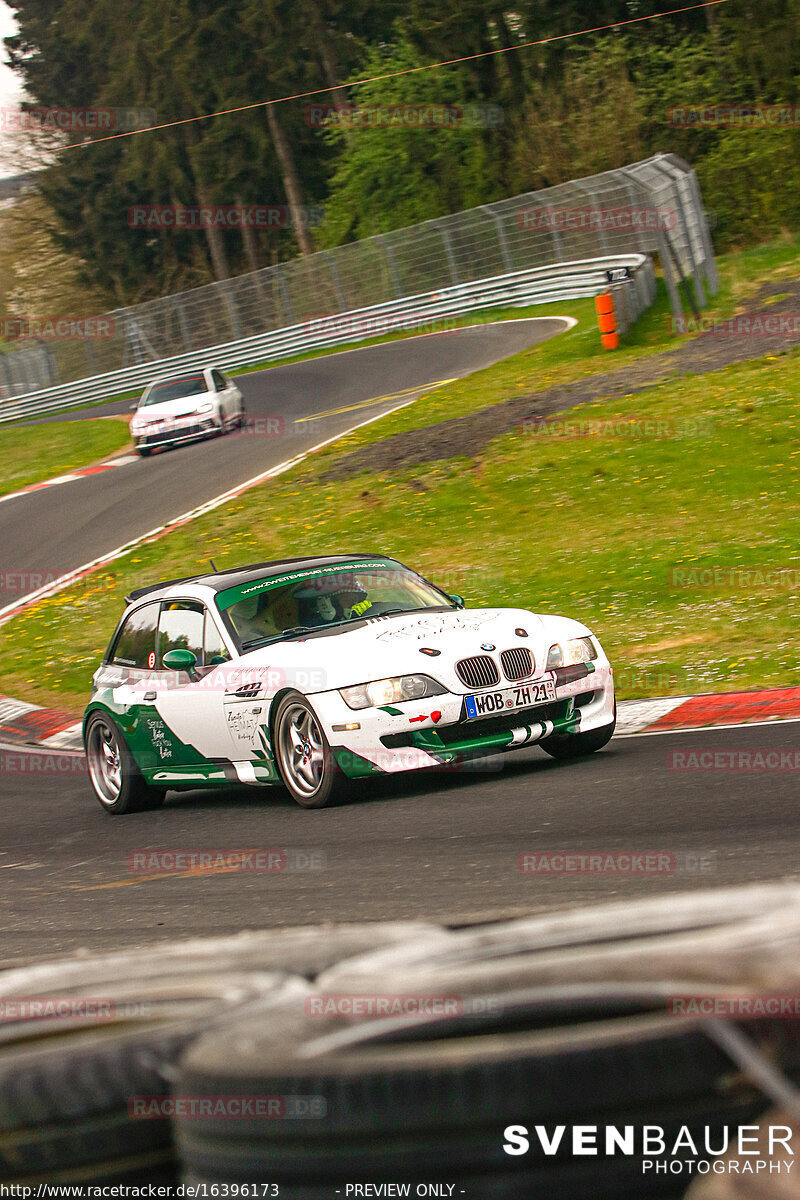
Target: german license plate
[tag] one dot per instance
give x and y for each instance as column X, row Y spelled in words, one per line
column 489, row 704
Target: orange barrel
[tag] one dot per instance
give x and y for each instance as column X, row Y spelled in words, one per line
column 607, row 320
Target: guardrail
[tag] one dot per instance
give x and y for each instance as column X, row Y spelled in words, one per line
column 540, row 285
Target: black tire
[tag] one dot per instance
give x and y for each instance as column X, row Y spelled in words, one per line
column 143, row 451
column 430, row 1098
column 312, row 778
column 113, row 772
column 575, row 745
column 242, row 416
column 68, row 1084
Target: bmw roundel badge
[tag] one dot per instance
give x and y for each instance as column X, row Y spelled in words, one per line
column 487, row 646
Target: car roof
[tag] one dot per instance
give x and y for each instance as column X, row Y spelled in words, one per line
column 218, row 581
column 189, row 373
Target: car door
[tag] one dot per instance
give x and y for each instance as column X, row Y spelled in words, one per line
column 129, row 675
column 191, row 703
column 226, row 396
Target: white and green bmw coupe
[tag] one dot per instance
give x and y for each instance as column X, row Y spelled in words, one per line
column 309, row 672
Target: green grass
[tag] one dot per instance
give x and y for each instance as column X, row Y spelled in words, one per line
column 595, row 526
column 39, row 452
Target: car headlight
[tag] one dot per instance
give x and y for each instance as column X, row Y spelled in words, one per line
column 579, row 650
column 390, row 691
column 206, row 406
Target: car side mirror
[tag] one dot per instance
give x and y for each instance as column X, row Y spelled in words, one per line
column 457, row 600
column 180, row 660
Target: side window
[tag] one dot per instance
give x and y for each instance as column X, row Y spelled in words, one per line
column 180, row 628
column 220, row 382
column 136, row 642
column 214, row 650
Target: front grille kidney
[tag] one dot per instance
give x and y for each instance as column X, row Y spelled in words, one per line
column 517, row 663
column 478, row 672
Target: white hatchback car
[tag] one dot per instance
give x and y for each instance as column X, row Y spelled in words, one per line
column 183, row 408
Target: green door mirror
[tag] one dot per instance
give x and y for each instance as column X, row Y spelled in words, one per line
column 457, row 600
column 180, row 660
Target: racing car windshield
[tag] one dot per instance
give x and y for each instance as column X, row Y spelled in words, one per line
column 175, row 389
column 310, row 600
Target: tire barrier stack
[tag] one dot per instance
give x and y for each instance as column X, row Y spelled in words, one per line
column 391, row 1053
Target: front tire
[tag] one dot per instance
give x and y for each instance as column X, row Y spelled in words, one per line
column 304, row 758
column 575, row 745
column 114, row 775
column 143, row 451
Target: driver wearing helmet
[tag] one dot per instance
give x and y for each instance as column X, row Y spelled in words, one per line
column 330, row 600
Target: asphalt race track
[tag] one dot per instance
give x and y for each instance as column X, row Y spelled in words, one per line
column 59, row 529
column 443, row 846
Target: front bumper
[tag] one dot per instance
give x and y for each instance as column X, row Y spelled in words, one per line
column 416, row 734
column 178, row 431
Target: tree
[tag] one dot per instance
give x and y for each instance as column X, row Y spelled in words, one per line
column 433, row 157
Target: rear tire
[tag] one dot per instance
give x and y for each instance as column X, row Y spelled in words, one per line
column 113, row 772
column 305, row 760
